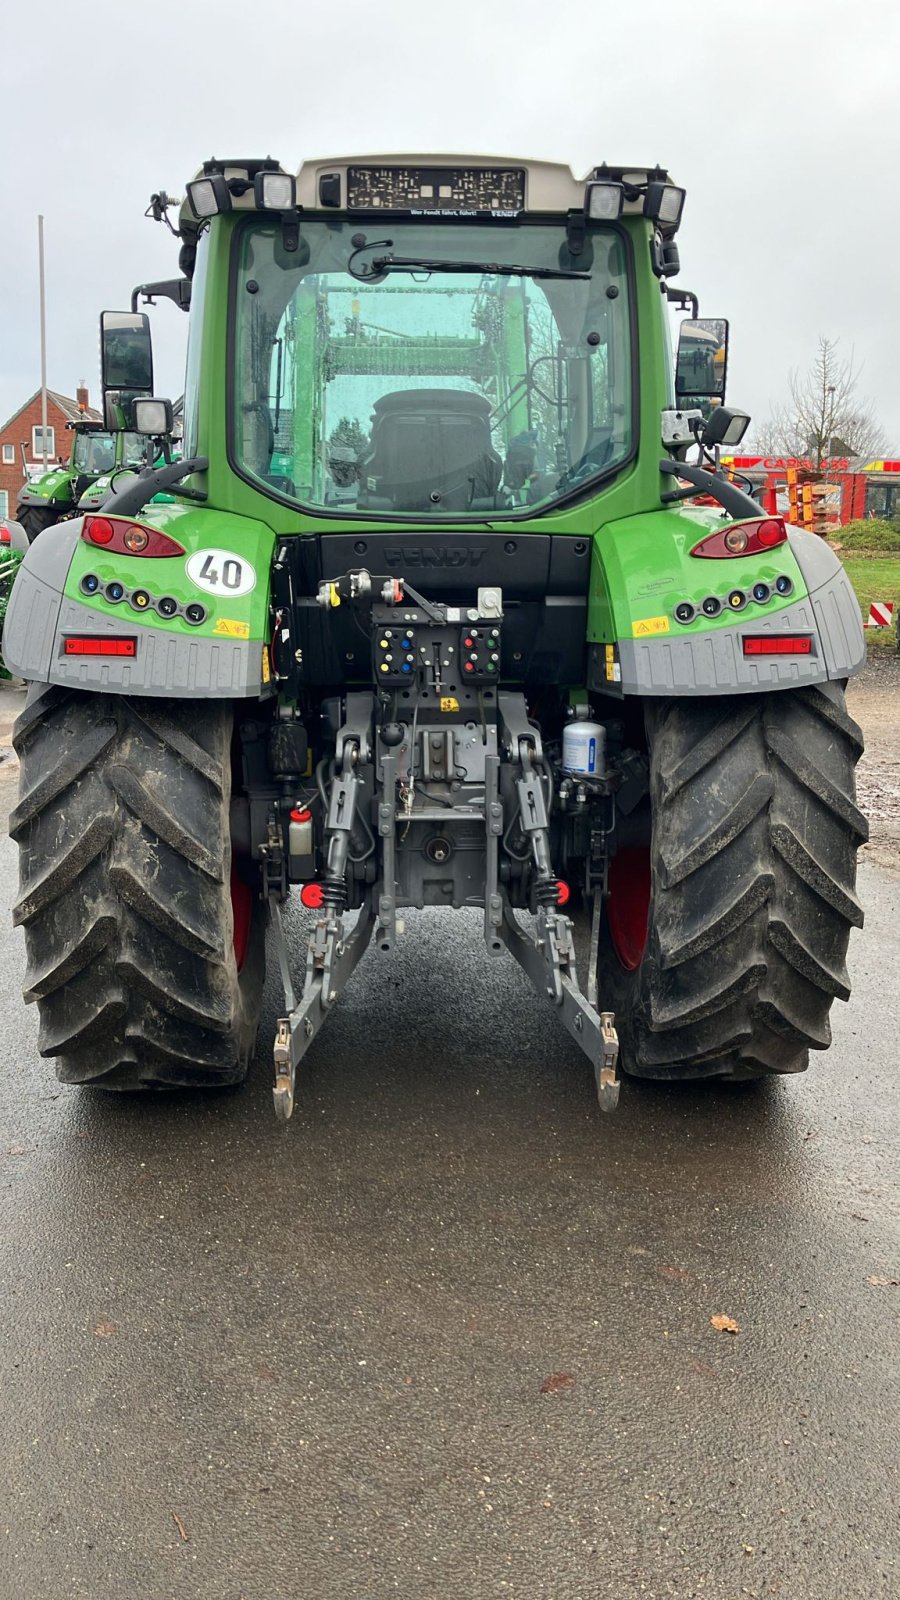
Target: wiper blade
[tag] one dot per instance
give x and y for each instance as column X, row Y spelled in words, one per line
column 502, row 269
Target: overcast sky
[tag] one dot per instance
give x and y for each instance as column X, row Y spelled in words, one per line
column 780, row 117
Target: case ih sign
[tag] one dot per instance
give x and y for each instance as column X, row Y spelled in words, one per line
column 788, row 463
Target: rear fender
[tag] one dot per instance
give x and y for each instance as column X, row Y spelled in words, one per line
column 225, row 569
column 55, row 488
column 643, row 569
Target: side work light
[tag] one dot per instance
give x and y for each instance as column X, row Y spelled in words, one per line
column 603, row 202
column 664, row 203
column 152, row 416
column 207, row 196
column 274, row 191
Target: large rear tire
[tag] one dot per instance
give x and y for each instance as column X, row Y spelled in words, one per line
column 34, row 519
column 141, row 977
column 731, row 969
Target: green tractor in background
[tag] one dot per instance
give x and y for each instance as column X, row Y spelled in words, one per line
column 13, row 544
column 427, row 617
column 131, row 458
column 96, row 451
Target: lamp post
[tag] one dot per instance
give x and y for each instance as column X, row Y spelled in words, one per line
column 43, row 342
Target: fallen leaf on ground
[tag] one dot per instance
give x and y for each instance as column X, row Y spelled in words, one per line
column 883, row 1283
column 724, row 1324
column 180, row 1526
column 557, row 1381
column 105, row 1330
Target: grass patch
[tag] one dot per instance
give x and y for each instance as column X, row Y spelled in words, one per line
column 869, row 535
column 875, row 577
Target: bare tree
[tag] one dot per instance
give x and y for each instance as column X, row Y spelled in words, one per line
column 824, row 416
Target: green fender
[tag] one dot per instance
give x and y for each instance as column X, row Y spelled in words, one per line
column 63, row 627
column 643, row 570
column 55, row 487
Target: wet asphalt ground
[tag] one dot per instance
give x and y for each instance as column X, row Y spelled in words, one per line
column 448, row 1334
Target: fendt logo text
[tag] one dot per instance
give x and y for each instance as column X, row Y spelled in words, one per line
column 433, row 555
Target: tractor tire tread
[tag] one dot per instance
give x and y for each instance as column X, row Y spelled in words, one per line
column 753, row 863
column 125, row 891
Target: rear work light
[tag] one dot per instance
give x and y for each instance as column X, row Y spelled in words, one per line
column 784, row 644
column 129, row 538
column 85, row 646
column 743, row 538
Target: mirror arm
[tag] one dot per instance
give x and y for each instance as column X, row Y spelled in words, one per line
column 178, row 290
column 732, row 500
column 684, row 300
column 151, row 481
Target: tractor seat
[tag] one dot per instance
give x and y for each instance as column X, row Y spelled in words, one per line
column 430, row 450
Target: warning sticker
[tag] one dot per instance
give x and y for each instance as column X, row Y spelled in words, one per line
column 266, row 671
column 650, row 625
column 233, row 630
column 449, row 702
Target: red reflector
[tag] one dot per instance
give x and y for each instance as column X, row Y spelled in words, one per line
column 129, row 538
column 785, row 644
column 5, row 536
column 311, row 896
column 563, row 893
column 761, row 534
column 301, row 816
column 100, row 647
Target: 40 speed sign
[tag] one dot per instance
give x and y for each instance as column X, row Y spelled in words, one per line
column 221, row 572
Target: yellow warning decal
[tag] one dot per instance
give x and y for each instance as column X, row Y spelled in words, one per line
column 266, row 671
column 650, row 625
column 233, row 630
column 449, row 702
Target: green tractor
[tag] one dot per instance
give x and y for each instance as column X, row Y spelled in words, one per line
column 132, row 455
column 96, row 451
column 13, row 545
column 436, row 612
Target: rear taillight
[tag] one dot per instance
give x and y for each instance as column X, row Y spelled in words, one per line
column 81, row 645
column 5, row 535
column 783, row 644
column 743, row 538
column 129, row 538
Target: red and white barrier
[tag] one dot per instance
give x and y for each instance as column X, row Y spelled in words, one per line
column 881, row 614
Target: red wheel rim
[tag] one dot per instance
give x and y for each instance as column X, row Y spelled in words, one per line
column 628, row 905
column 242, row 906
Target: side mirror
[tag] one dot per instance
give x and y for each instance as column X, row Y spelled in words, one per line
column 701, row 362
column 724, row 427
column 126, row 363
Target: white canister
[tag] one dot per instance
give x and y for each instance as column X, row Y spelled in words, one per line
column 584, row 749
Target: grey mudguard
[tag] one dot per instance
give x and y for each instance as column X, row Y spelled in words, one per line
column 168, row 664
column 713, row 662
